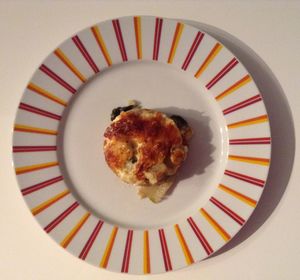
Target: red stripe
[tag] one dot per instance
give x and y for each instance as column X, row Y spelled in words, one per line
column 38, row 111
column 165, row 251
column 41, row 185
column 128, row 260
column 192, row 50
column 119, row 39
column 118, row 32
column 85, row 53
column 126, row 257
column 24, row 149
column 61, row 217
column 128, row 252
column 125, row 252
column 88, row 245
column 155, row 38
column 228, row 211
column 157, row 35
column 249, row 141
column 242, row 104
column 230, row 65
column 200, row 236
column 56, row 78
column 245, row 178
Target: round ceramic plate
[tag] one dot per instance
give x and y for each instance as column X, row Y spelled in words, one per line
column 58, row 138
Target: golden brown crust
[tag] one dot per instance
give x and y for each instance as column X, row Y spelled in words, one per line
column 117, row 153
column 144, row 147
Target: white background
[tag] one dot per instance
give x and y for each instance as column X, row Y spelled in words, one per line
column 29, row 30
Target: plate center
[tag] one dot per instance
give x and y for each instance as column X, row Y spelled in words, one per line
column 156, row 86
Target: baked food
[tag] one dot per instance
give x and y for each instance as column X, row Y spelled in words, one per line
column 145, row 148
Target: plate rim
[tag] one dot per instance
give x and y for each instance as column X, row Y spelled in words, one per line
column 207, row 34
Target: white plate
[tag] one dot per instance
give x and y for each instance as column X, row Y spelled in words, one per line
column 166, row 65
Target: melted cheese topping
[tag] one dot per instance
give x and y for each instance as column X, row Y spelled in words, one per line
column 144, row 147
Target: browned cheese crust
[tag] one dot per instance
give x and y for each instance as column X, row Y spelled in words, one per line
column 144, row 147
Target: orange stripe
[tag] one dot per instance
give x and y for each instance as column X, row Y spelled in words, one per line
column 46, row 94
column 177, row 35
column 59, row 53
column 216, row 49
column 66, row 241
column 251, row 202
column 188, row 256
column 25, row 169
column 101, row 44
column 109, row 246
column 255, row 160
column 146, row 253
column 234, row 87
column 31, row 129
column 252, row 121
column 215, row 225
column 138, row 37
column 48, row 202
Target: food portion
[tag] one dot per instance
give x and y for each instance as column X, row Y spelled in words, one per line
column 145, row 148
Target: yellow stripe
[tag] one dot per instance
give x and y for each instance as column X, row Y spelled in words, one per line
column 137, row 21
column 101, row 43
column 260, row 161
column 108, row 248
column 215, row 225
column 24, row 169
column 187, row 254
column 252, row 121
column 27, row 128
column 234, row 87
column 59, row 53
column 139, row 38
column 74, row 230
column 146, row 253
column 251, row 202
column 175, row 42
column 48, row 202
column 46, row 94
column 217, row 48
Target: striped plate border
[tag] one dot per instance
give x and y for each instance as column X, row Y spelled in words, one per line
column 129, row 250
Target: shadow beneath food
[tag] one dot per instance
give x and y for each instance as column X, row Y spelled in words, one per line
column 200, row 147
column 282, row 131
column 199, row 155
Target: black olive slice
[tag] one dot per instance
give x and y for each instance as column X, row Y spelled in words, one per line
column 117, row 111
column 179, row 121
